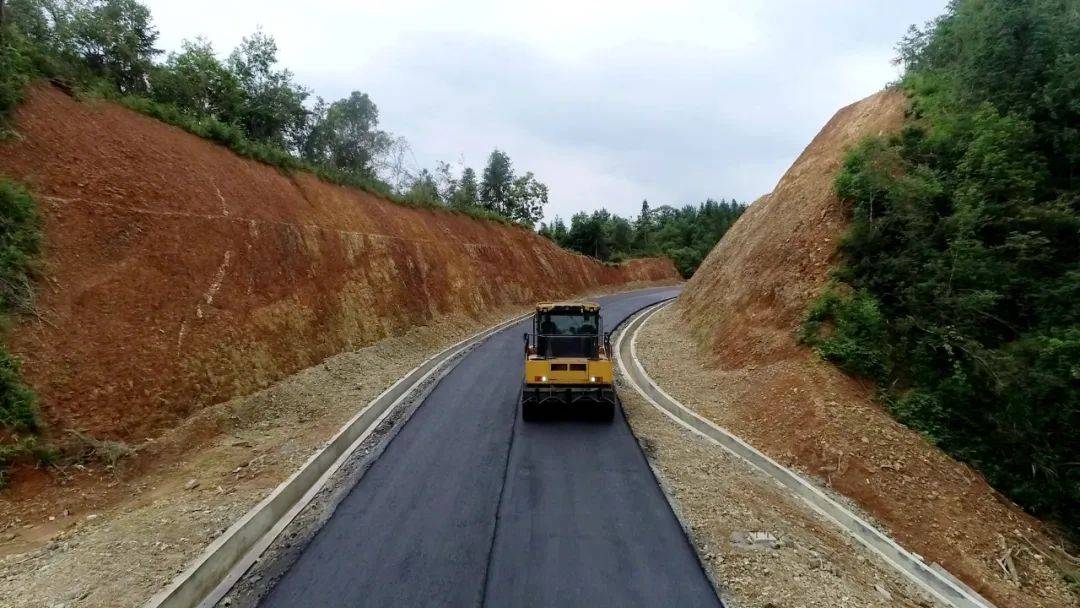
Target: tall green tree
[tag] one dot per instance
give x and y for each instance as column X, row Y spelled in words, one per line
column 38, row 21
column 115, row 40
column 622, row 235
column 467, row 193
column 345, row 135
column 643, row 229
column 196, row 81
column 559, row 233
column 590, row 233
column 496, row 188
column 527, row 199
column 273, row 106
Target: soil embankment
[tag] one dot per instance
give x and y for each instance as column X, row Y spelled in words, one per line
column 739, row 316
column 179, row 275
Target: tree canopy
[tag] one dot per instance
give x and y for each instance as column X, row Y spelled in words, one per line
column 247, row 101
column 686, row 234
column 961, row 271
column 345, row 135
column 243, row 99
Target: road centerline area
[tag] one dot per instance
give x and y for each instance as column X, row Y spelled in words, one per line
column 469, row 506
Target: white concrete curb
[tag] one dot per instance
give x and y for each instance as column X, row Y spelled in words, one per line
column 225, row 560
column 938, row 584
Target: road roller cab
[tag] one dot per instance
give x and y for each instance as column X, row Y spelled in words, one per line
column 567, row 362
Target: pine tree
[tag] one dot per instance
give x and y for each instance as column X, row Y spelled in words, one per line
column 466, row 193
column 497, row 185
column 558, row 231
column 643, row 229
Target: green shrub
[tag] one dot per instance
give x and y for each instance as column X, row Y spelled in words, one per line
column 20, row 242
column 923, row 412
column 848, row 330
column 18, row 406
column 15, row 69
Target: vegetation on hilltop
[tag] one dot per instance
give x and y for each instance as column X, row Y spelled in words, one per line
column 961, row 271
column 247, row 102
column 244, row 101
column 686, row 234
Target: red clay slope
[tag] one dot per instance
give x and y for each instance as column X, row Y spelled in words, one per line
column 744, row 307
column 179, row 274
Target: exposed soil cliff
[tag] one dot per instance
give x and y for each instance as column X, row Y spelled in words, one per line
column 178, row 274
column 775, row 258
column 742, row 311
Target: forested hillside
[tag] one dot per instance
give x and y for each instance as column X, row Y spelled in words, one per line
column 960, row 278
column 685, row 234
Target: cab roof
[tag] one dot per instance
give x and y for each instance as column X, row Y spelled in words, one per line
column 567, row 307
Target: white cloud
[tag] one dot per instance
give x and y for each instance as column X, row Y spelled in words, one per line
column 607, row 102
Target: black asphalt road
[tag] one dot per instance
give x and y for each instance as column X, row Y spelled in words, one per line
column 470, row 506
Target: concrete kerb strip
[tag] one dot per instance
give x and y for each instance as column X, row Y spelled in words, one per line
column 225, row 560
column 931, row 579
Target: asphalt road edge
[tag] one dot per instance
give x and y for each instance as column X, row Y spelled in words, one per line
column 931, row 579
column 226, row 559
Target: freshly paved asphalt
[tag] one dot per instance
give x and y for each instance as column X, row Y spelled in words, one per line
column 469, row 506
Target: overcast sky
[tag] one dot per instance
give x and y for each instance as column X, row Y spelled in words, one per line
column 607, row 102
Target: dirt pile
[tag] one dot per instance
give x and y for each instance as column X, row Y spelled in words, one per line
column 178, row 274
column 739, row 317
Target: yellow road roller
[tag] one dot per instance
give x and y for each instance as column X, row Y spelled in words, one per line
column 567, row 363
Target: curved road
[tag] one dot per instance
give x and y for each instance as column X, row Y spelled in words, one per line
column 469, row 506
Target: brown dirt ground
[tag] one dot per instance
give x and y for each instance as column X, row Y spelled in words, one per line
column 178, row 275
column 738, row 318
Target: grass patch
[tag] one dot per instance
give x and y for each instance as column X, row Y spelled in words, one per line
column 20, row 244
column 83, row 448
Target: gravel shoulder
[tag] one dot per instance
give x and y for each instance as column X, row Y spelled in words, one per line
column 761, row 547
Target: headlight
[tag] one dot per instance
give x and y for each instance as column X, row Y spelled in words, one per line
column 592, row 378
column 543, row 378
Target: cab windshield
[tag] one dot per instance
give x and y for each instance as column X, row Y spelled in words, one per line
column 569, row 324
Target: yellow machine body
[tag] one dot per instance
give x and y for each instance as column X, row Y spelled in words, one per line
column 567, row 361
column 568, row 370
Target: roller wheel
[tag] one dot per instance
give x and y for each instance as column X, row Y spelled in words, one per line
column 606, row 412
column 529, row 412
